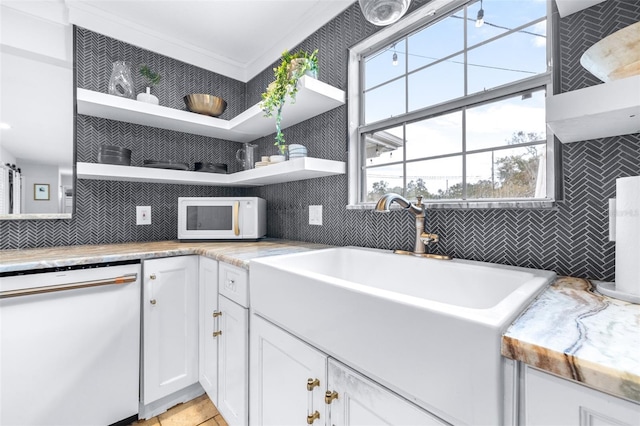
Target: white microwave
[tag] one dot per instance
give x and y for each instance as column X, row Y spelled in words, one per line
column 221, row 218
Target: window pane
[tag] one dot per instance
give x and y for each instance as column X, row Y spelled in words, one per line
column 435, row 42
column 382, row 180
column 435, row 136
column 508, row 59
column 379, row 68
column 507, row 122
column 435, row 179
column 500, row 16
column 438, row 83
column 384, row 146
column 385, row 101
column 507, row 173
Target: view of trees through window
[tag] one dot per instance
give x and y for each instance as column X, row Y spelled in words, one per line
column 474, row 101
column 515, row 176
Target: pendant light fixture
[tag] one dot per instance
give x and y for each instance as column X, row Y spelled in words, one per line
column 394, row 58
column 383, row 12
column 480, row 18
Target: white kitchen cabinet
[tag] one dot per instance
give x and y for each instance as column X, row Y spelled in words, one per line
column 357, row 400
column 551, row 400
column 284, row 371
column 293, row 383
column 170, row 326
column 233, row 344
column 209, row 319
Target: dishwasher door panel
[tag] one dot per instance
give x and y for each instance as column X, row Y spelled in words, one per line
column 70, row 357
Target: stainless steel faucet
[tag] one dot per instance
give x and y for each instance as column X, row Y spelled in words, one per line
column 418, row 210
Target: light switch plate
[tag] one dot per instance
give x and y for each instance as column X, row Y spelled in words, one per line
column 143, row 215
column 315, row 215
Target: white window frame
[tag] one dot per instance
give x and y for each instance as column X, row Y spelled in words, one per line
column 419, row 19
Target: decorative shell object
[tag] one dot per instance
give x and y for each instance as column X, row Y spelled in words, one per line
column 616, row 56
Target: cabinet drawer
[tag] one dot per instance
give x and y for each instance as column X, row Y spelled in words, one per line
column 234, row 283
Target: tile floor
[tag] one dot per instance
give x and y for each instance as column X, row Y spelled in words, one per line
column 197, row 412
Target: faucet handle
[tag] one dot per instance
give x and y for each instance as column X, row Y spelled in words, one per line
column 429, row 238
column 419, row 197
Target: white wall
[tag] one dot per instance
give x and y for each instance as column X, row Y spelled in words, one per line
column 33, row 173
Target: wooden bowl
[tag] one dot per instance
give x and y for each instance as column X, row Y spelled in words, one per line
column 205, row 104
column 616, row 56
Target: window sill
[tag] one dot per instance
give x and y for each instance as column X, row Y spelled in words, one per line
column 512, row 205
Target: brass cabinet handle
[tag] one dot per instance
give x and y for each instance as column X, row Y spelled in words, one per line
column 329, row 396
column 313, row 417
column 312, row 383
column 152, row 276
column 236, row 218
column 152, row 301
column 217, row 333
column 217, row 314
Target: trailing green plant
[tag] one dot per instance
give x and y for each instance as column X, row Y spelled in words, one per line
column 152, row 77
column 292, row 67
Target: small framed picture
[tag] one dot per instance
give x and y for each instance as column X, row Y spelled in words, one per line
column 41, row 191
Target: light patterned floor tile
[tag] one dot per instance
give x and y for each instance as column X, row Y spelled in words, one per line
column 220, row 421
column 190, row 413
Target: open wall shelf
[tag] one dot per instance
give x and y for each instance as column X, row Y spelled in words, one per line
column 313, row 98
column 287, row 171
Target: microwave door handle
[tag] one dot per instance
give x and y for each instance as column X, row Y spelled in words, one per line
column 236, row 218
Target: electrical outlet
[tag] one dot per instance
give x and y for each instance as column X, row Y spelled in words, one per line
column 143, row 215
column 315, row 215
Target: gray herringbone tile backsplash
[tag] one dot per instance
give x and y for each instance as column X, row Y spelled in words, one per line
column 570, row 239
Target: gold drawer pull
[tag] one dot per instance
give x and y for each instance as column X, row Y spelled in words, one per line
column 312, row 418
column 217, row 333
column 312, row 383
column 217, row 314
column 329, row 396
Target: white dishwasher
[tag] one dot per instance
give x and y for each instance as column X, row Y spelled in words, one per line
column 70, row 346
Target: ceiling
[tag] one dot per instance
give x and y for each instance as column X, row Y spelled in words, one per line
column 235, row 38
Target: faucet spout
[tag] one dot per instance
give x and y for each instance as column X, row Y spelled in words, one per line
column 383, row 205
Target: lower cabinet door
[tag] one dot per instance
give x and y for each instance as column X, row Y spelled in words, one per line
column 209, row 319
column 355, row 400
column 170, row 328
column 551, row 400
column 233, row 365
column 288, row 378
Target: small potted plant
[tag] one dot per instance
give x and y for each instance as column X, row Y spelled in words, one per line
column 292, row 67
column 151, row 79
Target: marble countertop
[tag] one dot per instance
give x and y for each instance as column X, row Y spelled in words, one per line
column 237, row 253
column 569, row 330
column 574, row 332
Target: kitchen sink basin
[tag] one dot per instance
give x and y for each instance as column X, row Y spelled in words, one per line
column 429, row 329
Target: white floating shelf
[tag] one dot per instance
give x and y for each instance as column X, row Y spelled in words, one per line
column 287, row 171
column 607, row 109
column 313, row 98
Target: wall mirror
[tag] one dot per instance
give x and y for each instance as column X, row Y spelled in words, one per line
column 36, row 111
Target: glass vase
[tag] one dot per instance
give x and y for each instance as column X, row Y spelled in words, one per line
column 121, row 82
